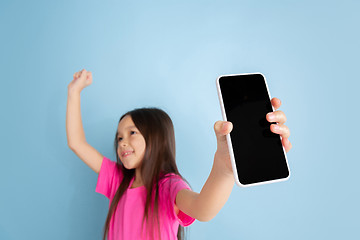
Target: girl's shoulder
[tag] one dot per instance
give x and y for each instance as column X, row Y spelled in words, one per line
column 112, row 164
column 169, row 176
column 111, row 168
column 169, row 179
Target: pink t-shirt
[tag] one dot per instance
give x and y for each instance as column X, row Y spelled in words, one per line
column 127, row 220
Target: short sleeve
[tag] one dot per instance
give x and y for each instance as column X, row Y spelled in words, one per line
column 108, row 178
column 174, row 184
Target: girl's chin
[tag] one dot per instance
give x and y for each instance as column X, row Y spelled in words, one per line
column 129, row 166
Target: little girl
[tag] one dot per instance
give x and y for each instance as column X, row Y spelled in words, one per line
column 149, row 199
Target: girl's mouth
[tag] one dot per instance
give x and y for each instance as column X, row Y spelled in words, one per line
column 126, row 153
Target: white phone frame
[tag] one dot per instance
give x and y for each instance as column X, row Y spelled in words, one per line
column 228, row 138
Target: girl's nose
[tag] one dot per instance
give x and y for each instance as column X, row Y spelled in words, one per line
column 123, row 143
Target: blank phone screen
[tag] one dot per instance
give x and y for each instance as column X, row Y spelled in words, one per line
column 258, row 152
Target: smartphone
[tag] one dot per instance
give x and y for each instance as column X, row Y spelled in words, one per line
column 257, row 155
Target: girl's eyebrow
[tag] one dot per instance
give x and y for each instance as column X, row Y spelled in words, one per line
column 128, row 128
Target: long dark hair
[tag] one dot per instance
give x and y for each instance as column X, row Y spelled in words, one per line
column 159, row 159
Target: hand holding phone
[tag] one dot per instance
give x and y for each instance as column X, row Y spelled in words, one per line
column 280, row 119
column 257, row 154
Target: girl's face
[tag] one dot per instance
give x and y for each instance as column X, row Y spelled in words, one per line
column 131, row 144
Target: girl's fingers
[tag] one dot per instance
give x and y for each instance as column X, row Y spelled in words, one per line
column 221, row 129
column 280, row 118
column 287, row 144
column 83, row 73
column 280, row 129
column 277, row 116
column 88, row 78
column 276, row 103
column 80, row 73
column 77, row 75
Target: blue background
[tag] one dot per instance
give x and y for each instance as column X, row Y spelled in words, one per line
column 168, row 54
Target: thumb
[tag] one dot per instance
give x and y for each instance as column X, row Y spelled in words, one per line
column 222, row 128
column 88, row 78
column 83, row 74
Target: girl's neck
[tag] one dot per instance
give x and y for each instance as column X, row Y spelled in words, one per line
column 138, row 180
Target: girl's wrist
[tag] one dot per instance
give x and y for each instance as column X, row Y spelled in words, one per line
column 72, row 91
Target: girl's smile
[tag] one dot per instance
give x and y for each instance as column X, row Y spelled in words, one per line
column 126, row 153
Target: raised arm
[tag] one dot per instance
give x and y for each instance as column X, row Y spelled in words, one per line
column 216, row 191
column 205, row 205
column 74, row 128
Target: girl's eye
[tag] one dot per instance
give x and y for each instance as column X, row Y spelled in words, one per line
column 132, row 132
column 119, row 139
